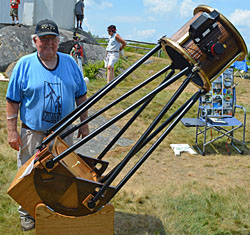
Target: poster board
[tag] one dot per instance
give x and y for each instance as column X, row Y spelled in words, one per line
column 219, row 101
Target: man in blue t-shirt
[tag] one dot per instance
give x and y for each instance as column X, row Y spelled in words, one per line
column 79, row 7
column 44, row 86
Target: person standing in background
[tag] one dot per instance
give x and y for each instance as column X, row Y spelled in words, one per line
column 79, row 12
column 14, row 11
column 115, row 45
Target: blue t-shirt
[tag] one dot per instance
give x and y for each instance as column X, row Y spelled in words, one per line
column 45, row 96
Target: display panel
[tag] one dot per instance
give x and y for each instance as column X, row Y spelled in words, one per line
column 218, row 101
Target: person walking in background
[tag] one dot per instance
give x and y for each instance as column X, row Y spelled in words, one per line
column 79, row 12
column 14, row 11
column 44, row 86
column 115, row 46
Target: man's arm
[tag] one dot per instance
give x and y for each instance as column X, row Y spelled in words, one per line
column 14, row 138
column 120, row 40
column 83, row 9
column 83, row 130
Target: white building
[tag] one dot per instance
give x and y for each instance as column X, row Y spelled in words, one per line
column 32, row 11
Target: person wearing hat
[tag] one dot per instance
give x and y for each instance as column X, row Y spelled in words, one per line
column 115, row 45
column 44, row 86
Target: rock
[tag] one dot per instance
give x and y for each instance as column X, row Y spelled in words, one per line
column 9, row 69
column 67, row 35
column 92, row 50
column 15, row 42
column 148, row 62
column 101, row 73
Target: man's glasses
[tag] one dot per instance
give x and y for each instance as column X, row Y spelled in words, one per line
column 47, row 39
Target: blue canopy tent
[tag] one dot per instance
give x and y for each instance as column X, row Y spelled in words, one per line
column 241, row 67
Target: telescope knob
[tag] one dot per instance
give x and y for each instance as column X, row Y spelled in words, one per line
column 91, row 204
column 217, row 49
column 50, row 164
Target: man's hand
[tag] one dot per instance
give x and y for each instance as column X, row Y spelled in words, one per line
column 83, row 131
column 14, row 140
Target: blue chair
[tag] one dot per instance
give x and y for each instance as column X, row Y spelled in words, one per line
column 217, row 110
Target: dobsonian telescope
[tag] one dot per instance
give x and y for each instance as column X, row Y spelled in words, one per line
column 77, row 185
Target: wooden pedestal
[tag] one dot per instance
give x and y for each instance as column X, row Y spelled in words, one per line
column 98, row 223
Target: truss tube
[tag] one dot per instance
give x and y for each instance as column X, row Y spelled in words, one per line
column 140, row 143
column 164, row 111
column 51, row 162
column 184, row 110
column 66, row 121
column 116, row 101
column 129, row 123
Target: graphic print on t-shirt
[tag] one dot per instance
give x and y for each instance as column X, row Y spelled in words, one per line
column 52, row 110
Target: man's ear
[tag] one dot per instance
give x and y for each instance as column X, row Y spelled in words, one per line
column 34, row 39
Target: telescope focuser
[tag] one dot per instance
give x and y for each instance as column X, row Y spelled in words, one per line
column 203, row 25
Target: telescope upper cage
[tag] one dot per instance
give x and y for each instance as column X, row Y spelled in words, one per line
column 208, row 42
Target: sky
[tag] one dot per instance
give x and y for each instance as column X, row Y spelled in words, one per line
column 149, row 20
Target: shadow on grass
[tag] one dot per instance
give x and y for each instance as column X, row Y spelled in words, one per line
column 126, row 223
column 224, row 148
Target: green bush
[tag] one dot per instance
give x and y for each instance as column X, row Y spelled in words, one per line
column 91, row 70
column 248, row 56
column 119, row 67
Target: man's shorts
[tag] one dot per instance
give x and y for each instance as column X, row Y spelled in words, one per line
column 30, row 139
column 14, row 12
column 79, row 17
column 111, row 59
